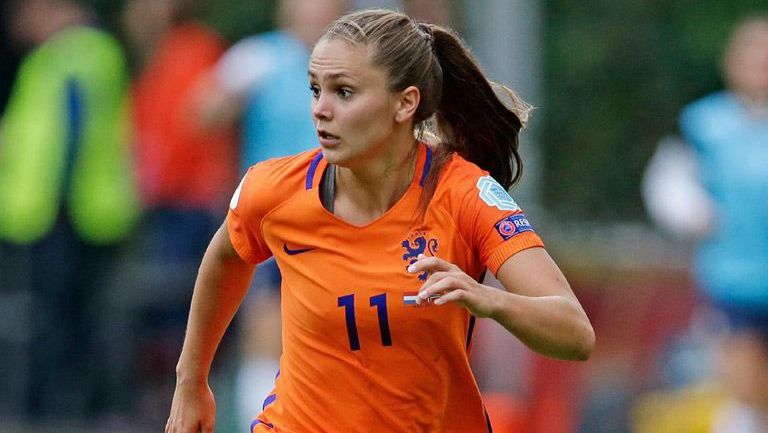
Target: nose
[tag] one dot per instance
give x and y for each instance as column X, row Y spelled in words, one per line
column 321, row 109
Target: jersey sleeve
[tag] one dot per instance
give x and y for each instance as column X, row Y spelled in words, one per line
column 247, row 210
column 490, row 221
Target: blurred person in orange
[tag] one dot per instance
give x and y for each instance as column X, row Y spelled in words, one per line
column 185, row 171
column 714, row 186
column 67, row 197
column 382, row 240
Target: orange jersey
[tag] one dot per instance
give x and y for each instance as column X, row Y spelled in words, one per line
column 358, row 354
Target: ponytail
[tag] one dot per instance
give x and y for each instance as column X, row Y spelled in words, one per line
column 471, row 118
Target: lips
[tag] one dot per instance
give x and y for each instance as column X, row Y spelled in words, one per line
column 327, row 139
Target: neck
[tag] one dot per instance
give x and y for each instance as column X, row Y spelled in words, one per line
column 757, row 105
column 367, row 191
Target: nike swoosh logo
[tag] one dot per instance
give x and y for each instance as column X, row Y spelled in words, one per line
column 291, row 252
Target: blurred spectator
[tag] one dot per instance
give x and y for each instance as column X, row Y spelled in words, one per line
column 261, row 83
column 66, row 197
column 186, row 175
column 716, row 187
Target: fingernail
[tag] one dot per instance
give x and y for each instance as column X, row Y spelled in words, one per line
column 412, row 268
column 423, row 295
column 420, row 256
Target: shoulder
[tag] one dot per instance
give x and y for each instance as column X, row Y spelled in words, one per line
column 709, row 109
column 85, row 41
column 248, row 51
column 274, row 181
column 458, row 168
column 287, row 169
column 711, row 118
column 457, row 178
column 709, row 106
column 462, row 180
column 81, row 50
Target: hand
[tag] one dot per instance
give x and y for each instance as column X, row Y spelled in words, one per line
column 448, row 283
column 193, row 410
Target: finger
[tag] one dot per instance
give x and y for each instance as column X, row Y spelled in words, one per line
column 459, row 295
column 446, row 284
column 430, row 264
column 434, row 278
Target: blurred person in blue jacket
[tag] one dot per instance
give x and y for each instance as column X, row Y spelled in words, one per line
column 714, row 186
column 67, row 195
column 261, row 84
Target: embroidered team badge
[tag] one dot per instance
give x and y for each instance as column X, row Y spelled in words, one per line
column 493, row 194
column 513, row 225
column 416, row 244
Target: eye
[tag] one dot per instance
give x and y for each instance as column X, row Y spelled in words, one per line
column 315, row 90
column 344, row 93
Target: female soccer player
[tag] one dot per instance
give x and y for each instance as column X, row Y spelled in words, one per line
column 382, row 241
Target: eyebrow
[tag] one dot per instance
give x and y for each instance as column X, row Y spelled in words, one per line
column 331, row 76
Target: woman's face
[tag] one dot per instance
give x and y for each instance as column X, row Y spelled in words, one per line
column 352, row 106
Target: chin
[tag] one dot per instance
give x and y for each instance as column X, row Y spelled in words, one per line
column 336, row 156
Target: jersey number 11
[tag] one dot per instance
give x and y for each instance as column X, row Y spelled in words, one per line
column 378, row 301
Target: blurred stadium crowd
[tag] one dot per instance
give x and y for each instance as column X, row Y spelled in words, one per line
column 126, row 125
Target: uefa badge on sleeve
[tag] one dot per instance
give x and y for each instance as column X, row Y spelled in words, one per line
column 513, row 225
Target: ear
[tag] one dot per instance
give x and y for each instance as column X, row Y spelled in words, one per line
column 407, row 103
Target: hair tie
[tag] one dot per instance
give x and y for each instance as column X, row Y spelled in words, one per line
column 427, row 30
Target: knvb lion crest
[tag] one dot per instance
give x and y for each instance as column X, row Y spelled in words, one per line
column 419, row 243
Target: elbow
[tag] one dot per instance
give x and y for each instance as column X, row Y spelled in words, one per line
column 588, row 346
column 586, row 343
column 578, row 346
column 584, row 338
column 580, row 343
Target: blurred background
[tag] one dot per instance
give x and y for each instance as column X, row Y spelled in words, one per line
column 126, row 125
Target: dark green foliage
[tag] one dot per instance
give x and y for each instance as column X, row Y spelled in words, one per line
column 236, row 19
column 617, row 75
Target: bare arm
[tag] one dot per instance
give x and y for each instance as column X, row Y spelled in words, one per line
column 221, row 285
column 538, row 307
